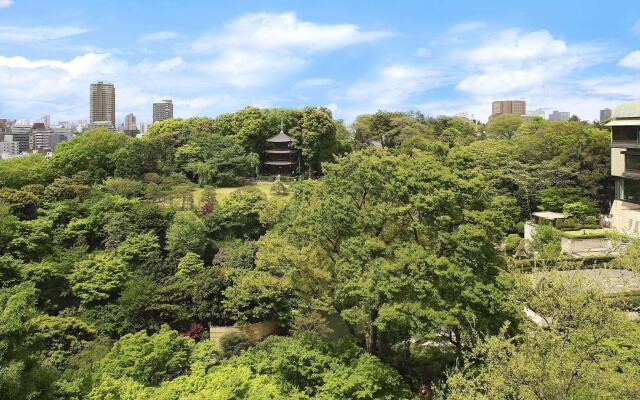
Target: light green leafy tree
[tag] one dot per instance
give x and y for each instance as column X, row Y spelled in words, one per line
column 98, row 278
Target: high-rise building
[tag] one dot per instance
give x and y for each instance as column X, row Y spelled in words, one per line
column 162, row 110
column 103, row 103
column 59, row 134
column 21, row 133
column 625, row 167
column 538, row 112
column 4, row 127
column 46, row 120
column 559, row 115
column 517, row 107
column 130, row 122
column 8, row 148
column 130, row 127
column 605, row 114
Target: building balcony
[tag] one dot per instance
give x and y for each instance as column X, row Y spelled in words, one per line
column 625, row 144
column 631, row 173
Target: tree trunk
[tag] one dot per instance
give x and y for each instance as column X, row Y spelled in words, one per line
column 372, row 334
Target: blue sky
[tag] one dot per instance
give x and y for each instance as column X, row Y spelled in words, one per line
column 439, row 57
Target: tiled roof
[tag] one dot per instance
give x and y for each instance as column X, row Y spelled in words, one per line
column 628, row 109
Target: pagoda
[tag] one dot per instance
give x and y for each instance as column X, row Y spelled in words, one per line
column 281, row 158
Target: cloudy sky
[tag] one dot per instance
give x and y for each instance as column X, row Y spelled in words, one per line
column 351, row 56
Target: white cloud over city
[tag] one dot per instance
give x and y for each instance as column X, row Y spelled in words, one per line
column 271, row 58
column 13, row 34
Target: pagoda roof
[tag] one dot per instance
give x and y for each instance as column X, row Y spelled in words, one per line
column 281, row 163
column 281, row 138
column 276, row 151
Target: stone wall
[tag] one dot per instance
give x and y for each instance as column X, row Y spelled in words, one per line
column 573, row 246
column 255, row 332
column 625, row 217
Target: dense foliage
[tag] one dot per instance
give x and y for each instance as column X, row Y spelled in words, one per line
column 383, row 267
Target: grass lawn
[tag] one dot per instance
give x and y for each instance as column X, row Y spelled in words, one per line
column 223, row 193
column 585, row 234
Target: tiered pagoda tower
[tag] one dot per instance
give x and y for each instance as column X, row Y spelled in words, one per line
column 281, row 158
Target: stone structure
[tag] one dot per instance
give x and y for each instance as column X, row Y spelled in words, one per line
column 254, row 332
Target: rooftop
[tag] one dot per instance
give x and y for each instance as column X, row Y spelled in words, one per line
column 549, row 215
column 627, row 109
column 281, row 138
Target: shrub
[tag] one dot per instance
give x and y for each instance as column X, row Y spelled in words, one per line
column 279, row 188
column 233, row 343
column 511, row 243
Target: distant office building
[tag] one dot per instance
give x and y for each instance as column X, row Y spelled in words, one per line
column 130, row 122
column 21, row 133
column 4, row 127
column 559, row 115
column 539, row 112
column 143, row 128
column 46, row 120
column 8, row 148
column 103, row 103
column 59, row 134
column 101, row 125
column 605, row 115
column 81, row 126
column 130, row 127
column 39, row 138
column 517, row 107
column 162, row 110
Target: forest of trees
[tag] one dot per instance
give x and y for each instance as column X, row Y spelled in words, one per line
column 385, row 267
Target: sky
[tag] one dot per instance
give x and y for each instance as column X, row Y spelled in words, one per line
column 354, row 57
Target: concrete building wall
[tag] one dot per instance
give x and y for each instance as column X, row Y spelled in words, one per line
column 617, row 161
column 572, row 246
column 625, row 217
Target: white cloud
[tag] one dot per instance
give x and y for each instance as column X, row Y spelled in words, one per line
column 266, row 31
column 157, row 36
column 423, row 52
column 333, row 107
column 5, row 3
column 314, row 82
column 393, row 87
column 617, row 87
column 465, row 27
column 516, row 62
column 60, row 87
column 243, row 68
column 631, row 60
column 513, row 46
column 259, row 48
column 34, row 34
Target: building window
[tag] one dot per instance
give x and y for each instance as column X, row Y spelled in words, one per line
column 629, row 190
column 632, row 162
column 625, row 134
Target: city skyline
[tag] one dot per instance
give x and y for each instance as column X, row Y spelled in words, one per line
column 352, row 59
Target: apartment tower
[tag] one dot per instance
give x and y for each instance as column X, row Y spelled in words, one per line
column 103, row 103
column 162, row 110
column 517, row 107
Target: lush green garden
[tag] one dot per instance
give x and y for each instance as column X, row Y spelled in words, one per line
column 117, row 254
